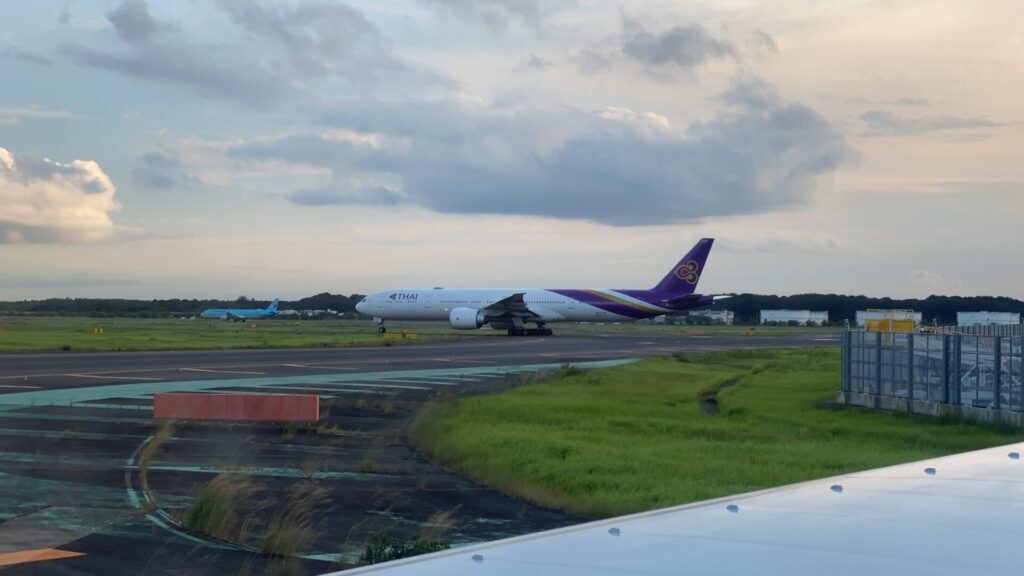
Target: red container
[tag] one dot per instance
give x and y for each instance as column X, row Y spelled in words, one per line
column 254, row 407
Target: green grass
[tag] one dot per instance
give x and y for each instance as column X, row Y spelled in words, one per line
column 634, row 438
column 20, row 334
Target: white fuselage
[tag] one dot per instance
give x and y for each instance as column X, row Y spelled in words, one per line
column 550, row 306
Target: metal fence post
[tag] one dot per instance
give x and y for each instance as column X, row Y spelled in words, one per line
column 997, row 386
column 878, row 363
column 955, row 383
column 844, row 383
column 910, row 366
column 945, row 368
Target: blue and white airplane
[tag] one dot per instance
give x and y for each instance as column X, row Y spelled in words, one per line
column 514, row 309
column 241, row 314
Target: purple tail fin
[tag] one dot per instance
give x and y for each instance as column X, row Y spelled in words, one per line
column 683, row 277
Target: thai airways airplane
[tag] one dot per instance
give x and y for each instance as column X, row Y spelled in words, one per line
column 514, row 309
column 242, row 313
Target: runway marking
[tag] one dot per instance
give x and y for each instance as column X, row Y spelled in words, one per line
column 220, row 371
column 102, row 377
column 646, row 342
column 43, row 554
column 63, row 396
column 21, row 387
column 421, row 381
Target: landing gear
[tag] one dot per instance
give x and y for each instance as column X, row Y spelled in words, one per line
column 540, row 330
column 380, row 325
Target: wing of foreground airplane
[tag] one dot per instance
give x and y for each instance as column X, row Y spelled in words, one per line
column 961, row 514
column 514, row 305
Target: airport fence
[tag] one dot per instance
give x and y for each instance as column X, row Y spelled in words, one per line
column 952, row 369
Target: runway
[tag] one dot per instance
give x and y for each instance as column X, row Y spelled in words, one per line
column 21, row 372
column 74, row 427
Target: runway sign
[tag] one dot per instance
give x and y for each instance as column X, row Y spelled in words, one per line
column 250, row 407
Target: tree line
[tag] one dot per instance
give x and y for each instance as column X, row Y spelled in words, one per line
column 126, row 308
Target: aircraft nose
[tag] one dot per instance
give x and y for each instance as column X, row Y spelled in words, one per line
column 361, row 306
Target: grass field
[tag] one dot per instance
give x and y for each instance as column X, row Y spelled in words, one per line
column 18, row 334
column 49, row 334
column 636, row 437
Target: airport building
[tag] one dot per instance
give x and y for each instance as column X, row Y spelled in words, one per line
column 715, row 316
column 986, row 318
column 803, row 317
column 864, row 315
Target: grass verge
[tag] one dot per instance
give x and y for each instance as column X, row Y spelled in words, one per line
column 636, row 437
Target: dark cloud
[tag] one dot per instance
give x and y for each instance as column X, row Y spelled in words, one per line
column 884, row 123
column 132, row 21
column 591, row 62
column 286, row 47
column 29, row 57
column 65, row 13
column 683, row 46
column 202, row 71
column 911, row 101
column 496, row 14
column 162, row 170
column 342, row 194
column 761, row 42
column 614, row 166
column 533, row 63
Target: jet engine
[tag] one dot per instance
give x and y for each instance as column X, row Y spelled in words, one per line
column 467, row 318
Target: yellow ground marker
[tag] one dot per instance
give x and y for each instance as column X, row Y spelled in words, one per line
column 25, row 556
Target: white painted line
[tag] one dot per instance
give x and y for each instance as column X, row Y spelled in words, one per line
column 220, row 371
column 22, row 387
column 422, row 381
column 296, row 365
column 102, row 377
column 322, row 367
column 645, row 342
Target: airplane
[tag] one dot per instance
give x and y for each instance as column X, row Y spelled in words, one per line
column 514, row 309
column 241, row 314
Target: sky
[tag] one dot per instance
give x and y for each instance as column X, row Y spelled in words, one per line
column 214, row 148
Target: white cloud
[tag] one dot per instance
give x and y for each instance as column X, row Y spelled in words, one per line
column 42, row 201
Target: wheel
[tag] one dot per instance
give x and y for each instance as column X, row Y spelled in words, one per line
column 381, row 329
column 547, row 332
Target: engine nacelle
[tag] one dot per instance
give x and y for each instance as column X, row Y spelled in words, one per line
column 466, row 318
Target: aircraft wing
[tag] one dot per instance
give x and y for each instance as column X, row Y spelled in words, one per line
column 514, row 305
column 954, row 515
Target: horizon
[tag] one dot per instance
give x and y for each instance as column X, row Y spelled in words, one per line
column 442, row 143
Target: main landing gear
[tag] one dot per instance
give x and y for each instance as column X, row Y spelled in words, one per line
column 540, row 330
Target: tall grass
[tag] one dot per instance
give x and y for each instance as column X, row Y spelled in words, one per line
column 634, row 437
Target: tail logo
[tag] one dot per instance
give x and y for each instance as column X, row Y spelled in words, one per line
column 688, row 272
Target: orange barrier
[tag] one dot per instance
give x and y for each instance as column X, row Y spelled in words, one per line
column 254, row 407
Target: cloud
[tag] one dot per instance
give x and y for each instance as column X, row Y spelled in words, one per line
column 50, row 202
column 162, row 170
column 685, row 47
column 761, row 43
column 496, row 14
column 533, row 63
column 614, row 166
column 132, row 21
column 23, row 56
column 591, row 62
column 283, row 49
column 10, row 116
column 338, row 194
column 884, row 123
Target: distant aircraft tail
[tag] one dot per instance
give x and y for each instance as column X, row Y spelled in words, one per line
column 273, row 305
column 683, row 277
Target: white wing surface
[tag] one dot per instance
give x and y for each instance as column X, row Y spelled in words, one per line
column 961, row 514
